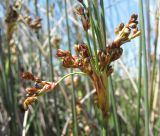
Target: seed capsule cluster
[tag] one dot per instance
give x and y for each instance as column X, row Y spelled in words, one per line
column 40, row 87
column 34, row 24
column 84, row 14
column 112, row 52
column 86, row 63
column 126, row 32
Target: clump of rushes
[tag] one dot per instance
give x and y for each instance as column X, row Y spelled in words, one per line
column 112, row 52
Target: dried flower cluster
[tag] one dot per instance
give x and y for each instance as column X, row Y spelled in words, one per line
column 13, row 17
column 34, row 24
column 84, row 14
column 127, row 32
column 84, row 61
column 11, row 20
column 39, row 88
column 111, row 53
column 55, row 41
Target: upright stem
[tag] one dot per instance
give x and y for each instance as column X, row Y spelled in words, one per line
column 155, row 54
column 113, row 102
column 144, row 69
column 101, row 84
column 139, row 88
column 148, row 40
column 103, row 24
column 38, row 37
column 75, row 129
column 51, row 65
column 101, row 92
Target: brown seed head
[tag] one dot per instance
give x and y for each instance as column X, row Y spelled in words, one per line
column 27, row 76
column 119, row 28
column 135, row 16
column 79, row 10
column 61, row 53
column 81, row 1
column 85, row 22
column 12, row 15
column 31, row 90
column 28, row 101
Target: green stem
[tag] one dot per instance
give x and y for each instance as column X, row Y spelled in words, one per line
column 74, row 73
column 89, row 45
column 154, row 59
column 144, row 69
column 113, row 102
column 94, row 44
column 139, row 88
column 75, row 126
column 103, row 24
column 51, row 66
column 38, row 37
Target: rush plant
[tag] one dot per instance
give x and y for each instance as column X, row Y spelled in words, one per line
column 93, row 58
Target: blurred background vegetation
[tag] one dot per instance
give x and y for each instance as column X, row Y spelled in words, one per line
column 31, row 47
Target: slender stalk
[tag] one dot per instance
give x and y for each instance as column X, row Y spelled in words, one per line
column 89, row 44
column 98, row 30
column 113, row 102
column 38, row 127
column 94, row 44
column 75, row 127
column 142, row 25
column 139, row 88
column 103, row 24
column 70, row 74
column 148, row 40
column 155, row 54
column 38, row 37
column 51, row 65
column 97, row 25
